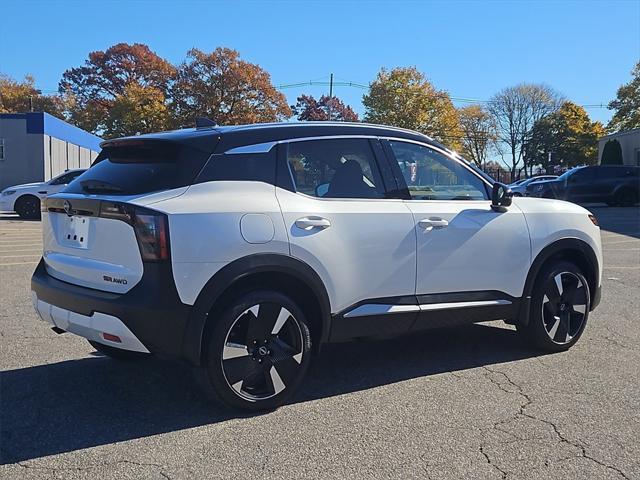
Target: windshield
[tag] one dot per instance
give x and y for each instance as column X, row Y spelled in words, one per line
column 568, row 173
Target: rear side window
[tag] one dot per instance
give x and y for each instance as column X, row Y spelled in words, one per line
column 256, row 167
column 136, row 167
column 335, row 168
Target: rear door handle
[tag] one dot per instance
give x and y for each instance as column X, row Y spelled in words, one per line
column 433, row 223
column 308, row 223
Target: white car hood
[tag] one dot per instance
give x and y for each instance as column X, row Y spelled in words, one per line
column 26, row 186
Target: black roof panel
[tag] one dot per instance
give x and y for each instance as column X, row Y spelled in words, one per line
column 232, row 136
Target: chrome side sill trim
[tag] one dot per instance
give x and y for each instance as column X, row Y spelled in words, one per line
column 380, row 309
column 370, row 309
column 445, row 306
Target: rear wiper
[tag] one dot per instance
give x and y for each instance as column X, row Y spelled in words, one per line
column 97, row 186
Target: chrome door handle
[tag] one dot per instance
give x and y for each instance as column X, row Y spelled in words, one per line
column 433, row 223
column 307, row 223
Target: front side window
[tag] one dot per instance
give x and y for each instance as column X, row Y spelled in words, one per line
column 66, row 178
column 582, row 175
column 335, row 168
column 430, row 175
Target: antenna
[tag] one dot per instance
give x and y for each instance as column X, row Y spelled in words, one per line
column 204, row 122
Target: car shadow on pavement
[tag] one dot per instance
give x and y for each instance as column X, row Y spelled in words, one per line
column 76, row 404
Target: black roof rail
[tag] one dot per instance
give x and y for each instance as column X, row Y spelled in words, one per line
column 204, row 122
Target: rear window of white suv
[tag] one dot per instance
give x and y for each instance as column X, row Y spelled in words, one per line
column 136, row 167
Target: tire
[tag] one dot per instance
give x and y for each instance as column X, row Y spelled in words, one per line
column 626, row 197
column 560, row 304
column 28, row 207
column 247, row 365
column 517, row 194
column 118, row 353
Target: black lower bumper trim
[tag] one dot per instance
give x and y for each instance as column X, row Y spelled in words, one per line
column 152, row 309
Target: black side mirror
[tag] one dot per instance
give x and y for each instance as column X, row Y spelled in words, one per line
column 501, row 197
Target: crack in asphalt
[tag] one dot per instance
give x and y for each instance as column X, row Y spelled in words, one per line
column 522, row 412
column 503, row 473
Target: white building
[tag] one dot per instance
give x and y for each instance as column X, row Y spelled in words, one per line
column 36, row 146
column 629, row 142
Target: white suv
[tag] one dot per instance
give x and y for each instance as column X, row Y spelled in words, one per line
column 243, row 249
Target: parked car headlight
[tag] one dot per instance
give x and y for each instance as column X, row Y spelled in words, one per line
column 6, row 193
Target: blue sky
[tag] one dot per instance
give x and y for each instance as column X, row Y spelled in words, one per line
column 583, row 49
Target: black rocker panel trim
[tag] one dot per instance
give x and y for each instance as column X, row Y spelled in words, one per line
column 565, row 245
column 464, row 314
column 241, row 269
column 345, row 327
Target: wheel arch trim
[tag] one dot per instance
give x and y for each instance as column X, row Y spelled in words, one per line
column 548, row 252
column 241, row 269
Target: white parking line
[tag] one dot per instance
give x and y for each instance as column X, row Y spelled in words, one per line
column 34, row 250
column 18, row 256
column 623, row 241
column 20, row 245
column 18, row 263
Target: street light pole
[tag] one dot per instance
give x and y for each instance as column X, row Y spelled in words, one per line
column 330, row 94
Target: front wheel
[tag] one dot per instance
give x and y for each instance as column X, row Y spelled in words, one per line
column 28, row 207
column 560, row 305
column 258, row 352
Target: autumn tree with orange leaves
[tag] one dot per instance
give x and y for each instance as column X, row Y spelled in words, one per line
column 107, row 79
column 228, row 90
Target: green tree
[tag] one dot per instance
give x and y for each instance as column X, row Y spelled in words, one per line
column 18, row 97
column 403, row 97
column 221, row 86
column 139, row 109
column 515, row 111
column 627, row 104
column 612, row 153
column 566, row 137
column 94, row 88
column 478, row 133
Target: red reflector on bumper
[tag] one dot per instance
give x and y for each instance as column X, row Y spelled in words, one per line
column 111, row 338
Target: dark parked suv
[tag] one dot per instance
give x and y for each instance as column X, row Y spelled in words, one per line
column 616, row 185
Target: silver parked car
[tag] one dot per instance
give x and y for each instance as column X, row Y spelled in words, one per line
column 520, row 187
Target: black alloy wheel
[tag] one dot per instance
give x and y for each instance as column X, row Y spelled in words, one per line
column 564, row 307
column 560, row 305
column 259, row 351
column 28, row 207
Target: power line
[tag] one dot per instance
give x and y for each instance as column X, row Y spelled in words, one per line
column 362, row 86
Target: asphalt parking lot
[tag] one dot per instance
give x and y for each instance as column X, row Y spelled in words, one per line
column 469, row 402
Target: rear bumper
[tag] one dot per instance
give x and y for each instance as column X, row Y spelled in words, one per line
column 98, row 327
column 151, row 311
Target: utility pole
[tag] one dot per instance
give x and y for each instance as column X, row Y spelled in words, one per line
column 330, row 94
column 31, row 103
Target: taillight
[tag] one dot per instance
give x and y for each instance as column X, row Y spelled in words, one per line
column 151, row 228
column 152, row 233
